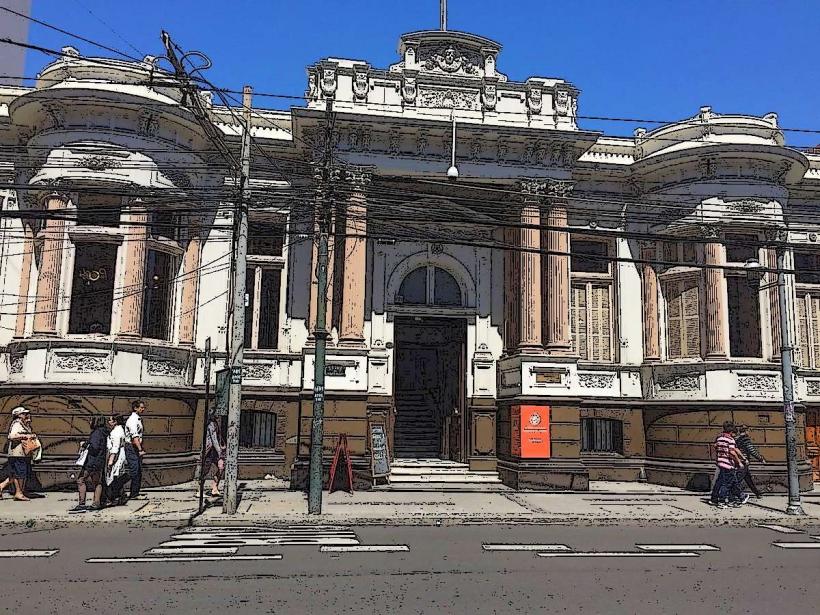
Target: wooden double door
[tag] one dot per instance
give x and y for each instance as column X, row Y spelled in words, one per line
column 430, row 388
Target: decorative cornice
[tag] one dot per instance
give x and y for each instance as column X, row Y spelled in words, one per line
column 545, row 188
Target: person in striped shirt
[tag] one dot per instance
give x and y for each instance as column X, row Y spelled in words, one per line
column 729, row 461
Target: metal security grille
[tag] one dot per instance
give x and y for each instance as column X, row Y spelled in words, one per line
column 257, row 430
column 602, row 436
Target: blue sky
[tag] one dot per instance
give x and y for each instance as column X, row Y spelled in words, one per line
column 652, row 59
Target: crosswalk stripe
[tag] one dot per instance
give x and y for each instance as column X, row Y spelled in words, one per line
column 524, row 547
column 672, row 548
column 621, row 554
column 181, row 558
column 192, row 551
column 797, row 545
column 779, row 528
column 19, row 553
column 364, row 549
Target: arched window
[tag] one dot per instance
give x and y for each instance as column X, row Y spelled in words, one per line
column 429, row 285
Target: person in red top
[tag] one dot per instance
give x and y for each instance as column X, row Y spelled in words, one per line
column 728, row 460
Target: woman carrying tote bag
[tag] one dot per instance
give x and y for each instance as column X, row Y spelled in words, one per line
column 23, row 442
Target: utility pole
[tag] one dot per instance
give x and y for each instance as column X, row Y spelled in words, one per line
column 237, row 349
column 321, row 334
column 206, row 417
column 794, row 507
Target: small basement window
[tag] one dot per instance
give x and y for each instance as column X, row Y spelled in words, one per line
column 257, row 430
column 602, row 436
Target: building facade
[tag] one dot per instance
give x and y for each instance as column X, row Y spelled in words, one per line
column 602, row 279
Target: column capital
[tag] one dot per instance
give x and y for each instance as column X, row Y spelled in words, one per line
column 54, row 199
column 710, row 231
column 358, row 178
column 544, row 188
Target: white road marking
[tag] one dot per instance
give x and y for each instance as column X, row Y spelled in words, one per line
column 260, row 542
column 364, row 549
column 192, row 551
column 174, row 558
column 797, row 545
column 673, row 548
column 45, row 553
column 237, row 537
column 523, row 547
column 779, row 528
column 620, row 554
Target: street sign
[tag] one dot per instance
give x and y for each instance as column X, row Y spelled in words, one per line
column 222, row 392
column 236, row 375
column 379, row 453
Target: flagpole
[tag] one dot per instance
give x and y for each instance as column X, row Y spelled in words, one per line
column 443, row 15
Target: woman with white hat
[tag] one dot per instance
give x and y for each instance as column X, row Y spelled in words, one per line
column 20, row 438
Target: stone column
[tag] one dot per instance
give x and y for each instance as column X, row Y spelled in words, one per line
column 190, row 287
column 135, row 247
column 25, row 281
column 649, row 286
column 717, row 314
column 558, row 332
column 355, row 260
column 51, row 268
column 529, row 267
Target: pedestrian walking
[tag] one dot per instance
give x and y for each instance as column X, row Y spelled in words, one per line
column 116, row 474
column 133, row 447
column 726, row 489
column 90, row 476
column 22, row 442
column 214, row 462
column 749, row 450
column 5, row 478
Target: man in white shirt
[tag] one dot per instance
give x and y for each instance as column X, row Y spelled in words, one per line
column 133, row 447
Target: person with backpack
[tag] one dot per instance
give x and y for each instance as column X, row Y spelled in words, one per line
column 90, row 476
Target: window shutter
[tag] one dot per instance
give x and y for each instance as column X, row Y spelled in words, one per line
column 814, row 306
column 579, row 321
column 803, row 332
column 690, row 304
column 674, row 328
column 601, row 319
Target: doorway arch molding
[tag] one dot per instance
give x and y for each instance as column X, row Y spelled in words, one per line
column 425, row 258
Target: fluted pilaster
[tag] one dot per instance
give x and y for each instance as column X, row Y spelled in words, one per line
column 51, row 268
column 649, row 287
column 717, row 315
column 355, row 258
column 135, row 247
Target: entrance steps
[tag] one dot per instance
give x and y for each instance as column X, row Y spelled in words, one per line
column 439, row 475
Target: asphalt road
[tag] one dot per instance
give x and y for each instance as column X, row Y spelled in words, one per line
column 444, row 570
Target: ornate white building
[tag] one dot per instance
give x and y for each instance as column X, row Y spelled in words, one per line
column 597, row 278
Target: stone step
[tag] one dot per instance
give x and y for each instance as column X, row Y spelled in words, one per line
column 470, row 477
column 448, row 470
column 444, row 487
column 428, row 462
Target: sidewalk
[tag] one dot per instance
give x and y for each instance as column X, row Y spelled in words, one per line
column 265, row 502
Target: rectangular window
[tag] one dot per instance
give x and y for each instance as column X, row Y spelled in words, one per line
column 807, row 268
column 262, row 308
column 680, row 253
column 602, row 436
column 744, row 318
column 265, row 238
column 682, row 317
column 92, row 291
column 741, row 248
column 160, row 269
column 163, row 223
column 582, row 250
column 98, row 210
column 257, row 430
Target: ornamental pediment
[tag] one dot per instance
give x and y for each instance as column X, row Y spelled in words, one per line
column 449, row 54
